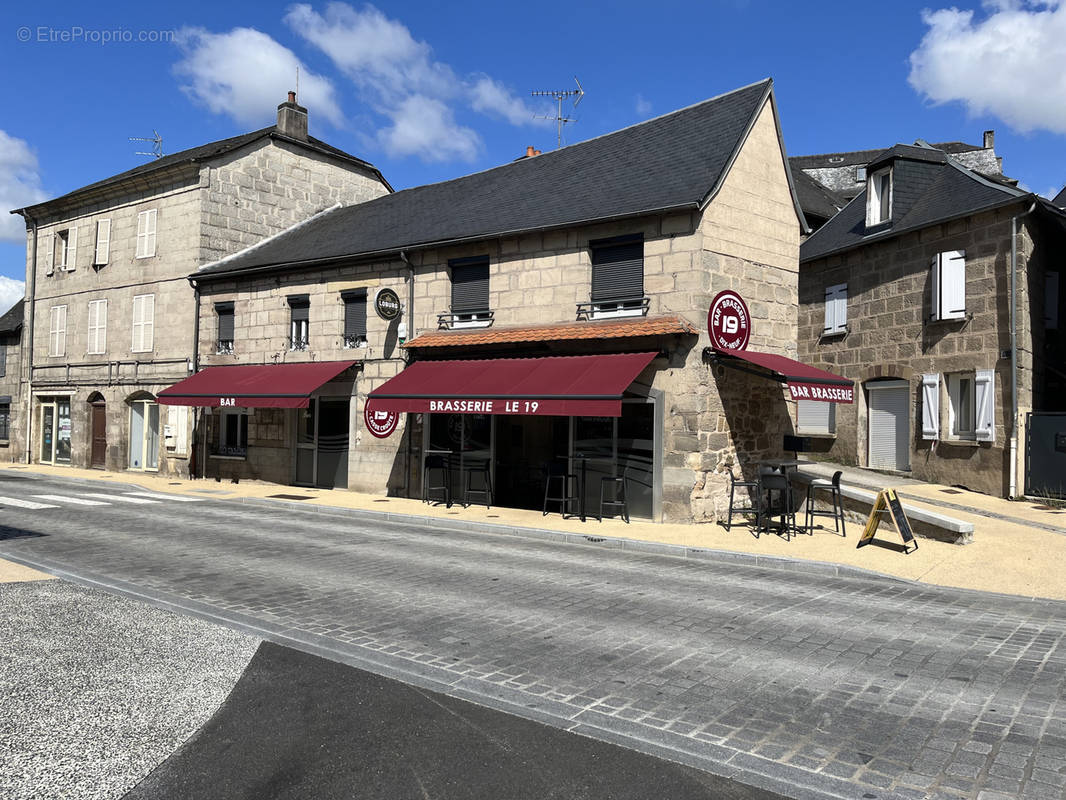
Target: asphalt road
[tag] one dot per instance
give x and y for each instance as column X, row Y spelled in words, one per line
column 804, row 684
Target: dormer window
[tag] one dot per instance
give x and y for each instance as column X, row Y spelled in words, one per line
column 879, row 197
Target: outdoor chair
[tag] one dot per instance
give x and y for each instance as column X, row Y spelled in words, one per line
column 837, row 513
column 616, row 486
column 779, row 484
column 557, row 488
column 481, row 469
column 753, row 490
column 437, row 478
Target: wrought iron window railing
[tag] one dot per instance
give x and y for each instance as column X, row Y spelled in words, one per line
column 466, row 319
column 624, row 306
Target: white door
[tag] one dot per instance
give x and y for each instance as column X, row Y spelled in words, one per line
column 890, row 429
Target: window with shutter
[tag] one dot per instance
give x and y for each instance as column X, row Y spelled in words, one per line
column 299, row 324
column 57, row 332
column 985, row 405
column 146, row 233
column 836, row 309
column 879, row 197
column 103, row 242
column 961, row 405
column 470, row 292
column 3, row 358
column 224, row 311
column 49, row 253
column 949, row 286
column 931, row 406
column 813, row 416
column 618, row 277
column 143, row 323
column 59, row 257
column 354, row 318
column 97, row 327
column 70, row 251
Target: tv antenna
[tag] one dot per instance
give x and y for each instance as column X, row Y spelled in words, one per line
column 157, row 144
column 558, row 96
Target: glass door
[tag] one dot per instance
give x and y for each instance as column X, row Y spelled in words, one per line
column 55, row 432
column 306, row 424
column 48, row 433
column 144, row 435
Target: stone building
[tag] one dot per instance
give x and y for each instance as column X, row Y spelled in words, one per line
column 110, row 315
column 553, row 314
column 937, row 290
column 11, row 422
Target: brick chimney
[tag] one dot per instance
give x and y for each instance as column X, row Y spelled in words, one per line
column 292, row 119
column 531, row 151
column 989, row 140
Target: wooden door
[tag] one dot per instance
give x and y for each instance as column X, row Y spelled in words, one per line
column 99, row 428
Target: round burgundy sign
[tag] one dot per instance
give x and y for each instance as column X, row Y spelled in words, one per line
column 380, row 423
column 728, row 322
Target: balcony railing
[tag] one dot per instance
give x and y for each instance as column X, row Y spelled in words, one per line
column 225, row 347
column 466, row 319
column 354, row 340
column 622, row 307
column 298, row 344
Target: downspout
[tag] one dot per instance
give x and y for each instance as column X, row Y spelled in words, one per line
column 1012, row 491
column 410, row 325
column 27, row 331
column 195, row 363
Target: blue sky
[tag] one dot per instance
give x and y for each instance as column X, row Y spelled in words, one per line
column 430, row 91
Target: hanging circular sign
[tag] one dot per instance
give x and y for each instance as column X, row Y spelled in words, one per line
column 387, row 304
column 380, row 423
column 728, row 322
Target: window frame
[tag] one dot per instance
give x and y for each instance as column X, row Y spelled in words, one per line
column 955, row 382
column 467, row 315
column 239, row 450
column 879, row 186
column 353, row 298
column 100, row 328
column 298, row 323
column 146, row 233
column 57, row 331
column 147, row 300
column 5, row 421
column 223, row 346
column 605, row 306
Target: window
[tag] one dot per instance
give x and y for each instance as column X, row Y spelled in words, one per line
column 971, row 405
column 225, row 328
column 144, row 435
column 5, row 418
column 3, row 356
column 66, row 245
column 146, row 233
column 948, row 286
column 813, row 416
column 860, row 174
column 97, row 327
column 836, row 309
column 879, row 197
column 618, row 277
column 143, row 323
column 233, row 433
column 354, row 318
column 300, row 309
column 57, row 331
column 103, row 242
column 470, row 292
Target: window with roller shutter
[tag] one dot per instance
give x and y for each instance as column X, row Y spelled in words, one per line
column 618, row 277
column 470, row 292
column 354, row 317
column 224, row 312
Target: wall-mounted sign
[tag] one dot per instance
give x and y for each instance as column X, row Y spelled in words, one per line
column 387, row 304
column 728, row 322
column 380, row 423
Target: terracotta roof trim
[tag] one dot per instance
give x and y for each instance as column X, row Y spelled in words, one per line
column 567, row 331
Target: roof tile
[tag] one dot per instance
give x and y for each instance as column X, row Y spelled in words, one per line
column 568, row 331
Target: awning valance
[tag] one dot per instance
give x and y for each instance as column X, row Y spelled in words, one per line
column 804, row 381
column 253, row 386
column 588, row 386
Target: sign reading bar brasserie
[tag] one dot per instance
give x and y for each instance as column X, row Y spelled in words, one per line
column 818, row 391
column 728, row 322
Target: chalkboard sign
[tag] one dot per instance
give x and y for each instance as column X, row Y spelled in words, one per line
column 888, row 502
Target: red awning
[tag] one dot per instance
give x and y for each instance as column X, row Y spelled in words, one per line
column 564, row 386
column 253, row 386
column 804, row 382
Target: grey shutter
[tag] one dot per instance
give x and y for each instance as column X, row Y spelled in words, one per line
column 354, row 313
column 3, row 358
column 301, row 307
column 225, row 321
column 470, row 284
column 617, row 271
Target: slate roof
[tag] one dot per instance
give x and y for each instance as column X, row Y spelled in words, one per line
column 862, row 157
column 205, row 152
column 926, row 189
column 815, row 199
column 570, row 331
column 11, row 321
column 1060, row 198
column 672, row 162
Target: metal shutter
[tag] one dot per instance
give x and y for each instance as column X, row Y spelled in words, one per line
column 470, row 284
column 301, row 307
column 889, row 421
column 814, row 416
column 225, row 321
column 354, row 313
column 617, row 271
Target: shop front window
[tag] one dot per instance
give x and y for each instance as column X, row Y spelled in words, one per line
column 144, row 435
column 55, row 432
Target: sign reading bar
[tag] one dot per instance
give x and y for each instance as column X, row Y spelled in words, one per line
column 728, row 322
column 387, row 304
column 887, row 502
column 820, row 391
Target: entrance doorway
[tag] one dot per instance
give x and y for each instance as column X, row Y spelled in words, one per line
column 322, row 443
column 889, row 422
column 54, row 439
column 144, row 435
column 98, row 426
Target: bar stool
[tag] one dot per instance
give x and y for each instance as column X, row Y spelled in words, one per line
column 560, row 474
column 743, row 510
column 437, row 464
column 619, row 501
column 833, row 487
column 779, row 483
column 478, row 468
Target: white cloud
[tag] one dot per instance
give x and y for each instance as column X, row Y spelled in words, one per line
column 11, row 291
column 246, row 74
column 399, row 78
column 20, row 185
column 643, row 107
column 1006, row 63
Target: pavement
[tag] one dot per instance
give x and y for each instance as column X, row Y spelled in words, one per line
column 1018, row 548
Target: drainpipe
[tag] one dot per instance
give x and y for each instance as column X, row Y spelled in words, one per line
column 409, row 320
column 27, row 334
column 1012, row 491
column 196, row 413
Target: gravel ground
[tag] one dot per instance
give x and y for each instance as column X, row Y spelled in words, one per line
column 96, row 690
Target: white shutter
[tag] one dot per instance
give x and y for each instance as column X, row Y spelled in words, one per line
column 814, row 416
column 872, row 201
column 889, row 428
column 148, row 335
column 150, row 233
column 985, row 405
column 49, row 252
column 931, row 406
column 57, row 334
column 949, row 286
column 70, row 255
column 830, row 312
column 97, row 327
column 138, row 324
column 178, row 422
column 1051, row 302
column 103, row 241
column 934, row 297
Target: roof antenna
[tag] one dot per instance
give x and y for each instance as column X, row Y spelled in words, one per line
column 297, row 82
column 157, row 144
column 560, row 95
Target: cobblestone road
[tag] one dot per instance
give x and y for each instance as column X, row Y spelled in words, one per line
column 806, row 684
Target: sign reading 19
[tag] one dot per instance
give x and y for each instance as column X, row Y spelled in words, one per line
column 521, row 407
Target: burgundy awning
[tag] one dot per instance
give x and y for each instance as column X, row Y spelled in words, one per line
column 253, row 386
column 804, row 382
column 564, row 386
